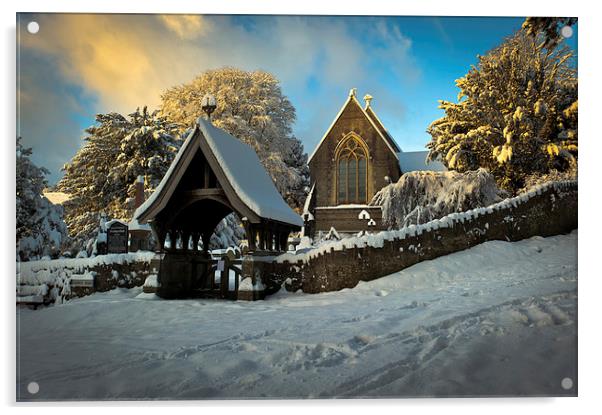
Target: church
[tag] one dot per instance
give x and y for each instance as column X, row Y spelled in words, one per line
column 355, row 158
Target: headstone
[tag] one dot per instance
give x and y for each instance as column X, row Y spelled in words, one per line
column 117, row 237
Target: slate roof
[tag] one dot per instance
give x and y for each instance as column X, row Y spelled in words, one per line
column 416, row 161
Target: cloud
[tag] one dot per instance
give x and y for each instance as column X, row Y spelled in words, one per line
column 47, row 114
column 186, row 26
column 121, row 62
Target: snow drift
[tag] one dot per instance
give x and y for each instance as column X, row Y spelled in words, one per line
column 496, row 319
column 421, row 196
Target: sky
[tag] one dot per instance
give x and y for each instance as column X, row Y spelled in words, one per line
column 78, row 65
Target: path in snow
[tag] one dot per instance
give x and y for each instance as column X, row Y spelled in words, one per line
column 497, row 319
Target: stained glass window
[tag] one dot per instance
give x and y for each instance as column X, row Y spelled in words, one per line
column 351, row 172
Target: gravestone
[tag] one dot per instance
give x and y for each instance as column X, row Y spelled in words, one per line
column 117, row 237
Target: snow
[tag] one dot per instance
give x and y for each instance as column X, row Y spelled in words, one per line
column 134, row 225
column 86, row 276
column 111, row 222
column 244, row 170
column 421, row 196
column 56, row 198
column 247, row 176
column 332, row 235
column 151, row 281
column 416, row 161
column 364, row 215
column 37, row 272
column 377, row 240
column 498, row 319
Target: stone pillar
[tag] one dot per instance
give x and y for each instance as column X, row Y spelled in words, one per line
column 252, row 271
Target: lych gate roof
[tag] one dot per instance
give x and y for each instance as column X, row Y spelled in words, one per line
column 248, row 177
column 240, row 166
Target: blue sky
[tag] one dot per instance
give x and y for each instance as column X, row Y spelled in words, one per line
column 80, row 65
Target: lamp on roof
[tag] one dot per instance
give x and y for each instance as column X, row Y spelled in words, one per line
column 208, row 104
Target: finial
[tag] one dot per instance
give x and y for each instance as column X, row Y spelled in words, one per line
column 368, row 99
column 208, row 104
column 352, row 92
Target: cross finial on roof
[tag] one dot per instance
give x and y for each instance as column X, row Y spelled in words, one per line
column 352, row 92
column 368, row 99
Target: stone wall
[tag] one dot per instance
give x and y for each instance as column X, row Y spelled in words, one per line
column 548, row 210
column 62, row 279
column 346, row 219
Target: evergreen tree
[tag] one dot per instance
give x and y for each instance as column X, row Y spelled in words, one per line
column 31, row 181
column 251, row 107
column 101, row 176
column 548, row 27
column 516, row 113
column 39, row 225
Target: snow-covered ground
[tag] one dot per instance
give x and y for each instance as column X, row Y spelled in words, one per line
column 497, row 319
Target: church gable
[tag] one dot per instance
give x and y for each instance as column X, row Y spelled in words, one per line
column 350, row 163
column 354, row 118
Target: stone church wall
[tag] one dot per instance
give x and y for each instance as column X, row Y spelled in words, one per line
column 382, row 160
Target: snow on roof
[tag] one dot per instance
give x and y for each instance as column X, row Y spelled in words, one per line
column 134, row 225
column 113, row 221
column 416, row 161
column 247, row 176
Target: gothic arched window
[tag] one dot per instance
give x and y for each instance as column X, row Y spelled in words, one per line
column 351, row 164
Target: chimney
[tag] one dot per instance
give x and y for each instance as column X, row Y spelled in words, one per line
column 139, row 196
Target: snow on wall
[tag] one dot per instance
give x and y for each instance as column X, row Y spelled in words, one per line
column 35, row 277
column 377, row 240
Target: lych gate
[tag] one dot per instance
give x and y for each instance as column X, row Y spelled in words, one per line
column 213, row 175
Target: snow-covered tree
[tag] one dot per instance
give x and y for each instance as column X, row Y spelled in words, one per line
column 516, row 113
column 421, row 196
column 40, row 227
column 101, row 176
column 251, row 107
column 549, row 27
